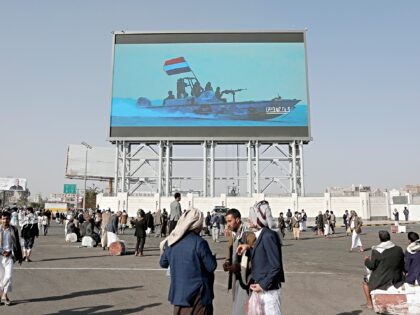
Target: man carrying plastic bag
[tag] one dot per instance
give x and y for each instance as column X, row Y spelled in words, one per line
column 266, row 259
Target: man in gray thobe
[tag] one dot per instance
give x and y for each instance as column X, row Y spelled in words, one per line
column 175, row 212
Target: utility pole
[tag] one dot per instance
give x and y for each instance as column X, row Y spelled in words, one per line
column 88, row 147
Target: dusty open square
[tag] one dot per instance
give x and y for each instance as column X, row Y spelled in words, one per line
column 322, row 277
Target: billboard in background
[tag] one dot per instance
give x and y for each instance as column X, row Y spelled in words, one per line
column 100, row 162
column 12, row 184
column 210, row 85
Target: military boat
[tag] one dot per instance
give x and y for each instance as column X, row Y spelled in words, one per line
column 208, row 104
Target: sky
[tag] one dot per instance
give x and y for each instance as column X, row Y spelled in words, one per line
column 364, row 80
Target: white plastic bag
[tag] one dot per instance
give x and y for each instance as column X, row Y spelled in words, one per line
column 254, row 306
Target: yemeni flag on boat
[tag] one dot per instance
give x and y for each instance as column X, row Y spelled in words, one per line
column 176, row 66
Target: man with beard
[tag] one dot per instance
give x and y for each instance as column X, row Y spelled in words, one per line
column 234, row 264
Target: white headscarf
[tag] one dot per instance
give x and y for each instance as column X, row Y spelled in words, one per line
column 189, row 221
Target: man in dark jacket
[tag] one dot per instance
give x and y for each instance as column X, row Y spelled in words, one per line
column 266, row 258
column 29, row 232
column 412, row 259
column 386, row 265
column 10, row 252
column 192, row 266
column 140, row 232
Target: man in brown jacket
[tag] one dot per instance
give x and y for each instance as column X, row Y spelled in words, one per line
column 238, row 266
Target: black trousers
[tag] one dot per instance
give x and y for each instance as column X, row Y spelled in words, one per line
column 140, row 244
column 172, row 225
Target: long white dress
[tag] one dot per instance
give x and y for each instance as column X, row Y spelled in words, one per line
column 355, row 238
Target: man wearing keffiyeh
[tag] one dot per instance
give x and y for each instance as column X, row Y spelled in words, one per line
column 192, row 266
column 266, row 258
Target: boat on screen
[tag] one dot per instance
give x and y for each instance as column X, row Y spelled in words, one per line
column 192, row 99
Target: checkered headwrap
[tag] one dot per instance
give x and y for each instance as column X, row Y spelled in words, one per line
column 260, row 214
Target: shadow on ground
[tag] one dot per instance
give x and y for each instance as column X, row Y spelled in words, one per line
column 70, row 258
column 96, row 310
column 351, row 313
column 76, row 294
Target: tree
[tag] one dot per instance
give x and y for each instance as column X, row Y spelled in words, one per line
column 91, row 194
column 23, row 198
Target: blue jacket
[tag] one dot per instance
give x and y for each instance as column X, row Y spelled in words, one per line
column 412, row 266
column 192, row 267
column 266, row 261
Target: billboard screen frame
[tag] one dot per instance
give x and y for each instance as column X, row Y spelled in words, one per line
column 13, row 182
column 218, row 133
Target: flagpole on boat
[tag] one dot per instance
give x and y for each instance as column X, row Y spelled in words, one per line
column 195, row 76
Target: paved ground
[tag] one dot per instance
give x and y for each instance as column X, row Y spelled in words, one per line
column 322, row 277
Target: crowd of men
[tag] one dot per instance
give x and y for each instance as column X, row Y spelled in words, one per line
column 253, row 258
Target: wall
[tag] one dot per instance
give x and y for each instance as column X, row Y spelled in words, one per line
column 366, row 205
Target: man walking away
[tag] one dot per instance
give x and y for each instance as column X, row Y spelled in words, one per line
column 10, row 252
column 140, row 232
column 191, row 289
column 175, row 213
column 282, row 224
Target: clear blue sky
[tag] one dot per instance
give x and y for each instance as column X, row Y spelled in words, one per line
column 364, row 77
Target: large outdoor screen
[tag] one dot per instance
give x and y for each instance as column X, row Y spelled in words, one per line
column 222, row 86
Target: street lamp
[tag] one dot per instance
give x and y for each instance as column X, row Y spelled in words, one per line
column 88, row 147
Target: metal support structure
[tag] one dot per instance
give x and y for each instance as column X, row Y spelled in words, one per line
column 302, row 177
column 160, row 180
column 291, row 168
column 204, row 144
column 167, row 168
column 252, row 167
column 124, row 167
column 212, row 168
column 249, row 168
column 294, row 171
column 257, row 167
column 117, row 163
